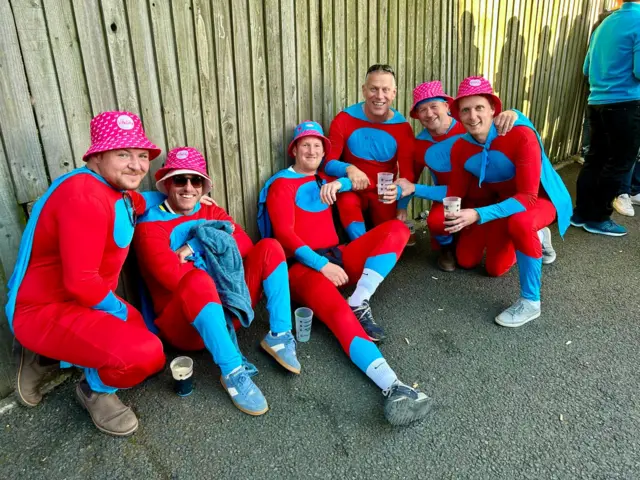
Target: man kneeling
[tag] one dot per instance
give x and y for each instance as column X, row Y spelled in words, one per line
column 186, row 299
column 295, row 205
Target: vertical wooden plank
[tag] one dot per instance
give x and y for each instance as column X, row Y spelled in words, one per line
column 316, row 74
column 501, row 59
column 302, row 55
column 168, row 75
column 410, row 59
column 246, row 125
column 94, row 56
column 276, row 100
column 191, row 113
column 443, row 46
column 373, row 32
column 383, row 31
column 542, row 55
column 392, row 34
column 228, row 116
column 428, row 38
column 69, row 70
column 287, row 17
column 120, row 57
column 558, row 56
column 340, row 48
column 209, row 92
column 362, row 43
column 400, row 66
column 353, row 82
column 328, row 79
column 17, row 122
column 436, row 41
column 144, row 60
column 43, row 85
column 418, row 59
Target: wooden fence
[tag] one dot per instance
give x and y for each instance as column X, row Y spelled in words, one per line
column 233, row 78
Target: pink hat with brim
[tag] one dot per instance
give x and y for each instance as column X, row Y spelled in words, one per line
column 471, row 86
column 118, row 130
column 309, row 128
column 183, row 161
column 428, row 91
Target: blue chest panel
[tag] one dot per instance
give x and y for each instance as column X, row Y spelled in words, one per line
column 438, row 156
column 308, row 198
column 372, row 144
column 180, row 233
column 122, row 225
column 499, row 167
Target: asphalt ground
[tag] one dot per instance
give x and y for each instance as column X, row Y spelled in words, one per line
column 556, row 398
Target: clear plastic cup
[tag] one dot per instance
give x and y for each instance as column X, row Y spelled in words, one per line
column 451, row 205
column 385, row 179
column 182, row 372
column 412, row 232
column 303, row 316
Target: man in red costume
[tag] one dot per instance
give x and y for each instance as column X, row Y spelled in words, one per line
column 187, row 300
column 368, row 138
column 433, row 149
column 62, row 302
column 295, row 208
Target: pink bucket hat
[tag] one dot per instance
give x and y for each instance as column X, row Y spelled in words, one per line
column 183, row 160
column 116, row 130
column 475, row 86
column 428, row 90
column 309, row 128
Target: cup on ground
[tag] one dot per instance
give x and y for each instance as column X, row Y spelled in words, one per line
column 182, row 372
column 385, row 179
column 412, row 232
column 303, row 316
column 451, row 205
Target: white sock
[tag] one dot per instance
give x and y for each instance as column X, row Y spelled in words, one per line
column 277, row 334
column 534, row 303
column 366, row 286
column 541, row 236
column 381, row 373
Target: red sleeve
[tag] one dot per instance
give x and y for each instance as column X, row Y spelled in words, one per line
column 527, row 160
column 243, row 240
column 153, row 249
column 406, row 148
column 82, row 238
column 281, row 207
column 460, row 179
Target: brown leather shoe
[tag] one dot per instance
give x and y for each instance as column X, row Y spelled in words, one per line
column 32, row 373
column 108, row 413
column 446, row 259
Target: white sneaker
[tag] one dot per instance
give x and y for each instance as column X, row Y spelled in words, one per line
column 518, row 314
column 622, row 204
column 635, row 199
column 548, row 253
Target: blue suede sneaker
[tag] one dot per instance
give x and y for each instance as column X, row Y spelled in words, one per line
column 577, row 221
column 608, row 227
column 244, row 393
column 283, row 349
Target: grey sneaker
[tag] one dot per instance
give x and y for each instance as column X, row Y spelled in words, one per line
column 32, row 373
column 518, row 314
column 108, row 413
column 404, row 404
column 548, row 253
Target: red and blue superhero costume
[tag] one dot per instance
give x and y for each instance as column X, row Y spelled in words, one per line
column 189, row 314
column 373, row 148
column 528, row 192
column 291, row 211
column 62, row 301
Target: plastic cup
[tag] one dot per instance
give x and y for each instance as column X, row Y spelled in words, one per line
column 412, row 232
column 451, row 205
column 385, row 179
column 182, row 372
column 303, row 317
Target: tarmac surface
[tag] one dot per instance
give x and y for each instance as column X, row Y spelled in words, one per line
column 557, row 398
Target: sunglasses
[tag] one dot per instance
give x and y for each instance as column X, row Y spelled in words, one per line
column 181, row 181
column 128, row 204
column 381, row 67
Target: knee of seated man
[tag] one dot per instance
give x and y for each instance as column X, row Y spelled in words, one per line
column 271, row 247
column 520, row 225
column 195, row 280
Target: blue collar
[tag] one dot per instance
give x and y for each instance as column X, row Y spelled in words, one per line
column 493, row 134
column 357, row 111
column 426, row 135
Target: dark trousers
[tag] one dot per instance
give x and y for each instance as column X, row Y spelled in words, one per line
column 613, row 147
